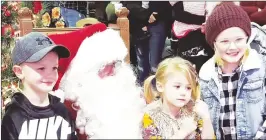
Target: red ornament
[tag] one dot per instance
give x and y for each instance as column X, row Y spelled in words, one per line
column 3, row 67
column 7, row 13
column 4, row 8
column 37, row 7
column 7, row 28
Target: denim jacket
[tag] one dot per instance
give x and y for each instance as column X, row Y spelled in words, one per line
column 250, row 98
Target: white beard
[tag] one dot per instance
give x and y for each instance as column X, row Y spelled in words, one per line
column 113, row 105
column 110, row 108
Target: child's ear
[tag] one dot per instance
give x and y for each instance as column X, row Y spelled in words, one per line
column 159, row 87
column 18, row 71
column 214, row 47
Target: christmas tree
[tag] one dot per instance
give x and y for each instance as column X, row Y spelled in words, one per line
column 10, row 83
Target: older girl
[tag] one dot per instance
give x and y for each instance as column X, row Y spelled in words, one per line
column 233, row 81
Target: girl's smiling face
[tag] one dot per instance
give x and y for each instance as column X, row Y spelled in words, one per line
column 230, row 45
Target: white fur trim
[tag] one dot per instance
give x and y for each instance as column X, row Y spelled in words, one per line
column 60, row 94
column 102, row 47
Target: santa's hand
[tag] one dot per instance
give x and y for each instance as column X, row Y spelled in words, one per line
column 59, row 93
column 201, row 108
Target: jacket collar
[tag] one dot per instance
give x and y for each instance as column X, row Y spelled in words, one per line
column 255, row 31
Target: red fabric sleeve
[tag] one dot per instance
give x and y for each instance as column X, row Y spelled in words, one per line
column 259, row 17
column 250, row 9
column 249, row 6
column 261, row 4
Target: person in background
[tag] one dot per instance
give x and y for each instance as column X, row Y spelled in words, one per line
column 110, row 11
column 188, row 40
column 80, row 6
column 148, row 24
column 139, row 37
column 100, row 13
column 159, row 27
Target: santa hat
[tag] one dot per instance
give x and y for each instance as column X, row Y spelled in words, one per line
column 101, row 48
column 72, row 41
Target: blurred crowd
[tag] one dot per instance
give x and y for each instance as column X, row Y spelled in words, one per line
column 162, row 29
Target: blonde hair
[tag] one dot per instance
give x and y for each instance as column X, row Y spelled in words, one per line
column 166, row 67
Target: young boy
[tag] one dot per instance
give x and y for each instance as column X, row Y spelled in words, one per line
column 34, row 113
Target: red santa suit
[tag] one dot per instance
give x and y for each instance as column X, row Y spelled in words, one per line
column 72, row 41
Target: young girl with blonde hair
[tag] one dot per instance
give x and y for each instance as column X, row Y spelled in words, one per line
column 232, row 82
column 177, row 113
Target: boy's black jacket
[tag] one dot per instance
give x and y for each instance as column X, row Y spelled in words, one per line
column 23, row 120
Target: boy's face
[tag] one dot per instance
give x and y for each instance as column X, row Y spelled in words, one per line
column 40, row 76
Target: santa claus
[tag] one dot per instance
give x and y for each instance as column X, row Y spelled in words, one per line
column 103, row 88
column 72, row 40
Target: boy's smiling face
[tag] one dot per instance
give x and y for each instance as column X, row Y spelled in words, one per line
column 40, row 76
